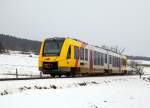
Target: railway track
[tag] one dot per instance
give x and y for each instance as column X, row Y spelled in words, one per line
column 28, row 78
column 49, row 77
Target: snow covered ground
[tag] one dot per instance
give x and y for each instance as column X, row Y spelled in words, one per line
column 89, row 92
column 143, row 62
column 24, row 63
column 86, row 92
column 146, row 69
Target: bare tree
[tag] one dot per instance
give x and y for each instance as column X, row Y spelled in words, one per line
column 115, row 49
column 2, row 49
column 105, row 47
column 136, row 68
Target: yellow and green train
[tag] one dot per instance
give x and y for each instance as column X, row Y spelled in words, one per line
column 67, row 56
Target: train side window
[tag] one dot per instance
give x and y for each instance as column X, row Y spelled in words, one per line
column 102, row 58
column 100, row 54
column 109, row 59
column 99, row 58
column 76, row 52
column 94, row 57
column 86, row 54
column 117, row 62
column 82, row 53
column 69, row 53
column 105, row 58
column 113, row 61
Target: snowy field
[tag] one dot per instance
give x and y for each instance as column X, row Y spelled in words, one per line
column 89, row 92
column 146, row 69
column 85, row 92
column 27, row 65
column 24, row 63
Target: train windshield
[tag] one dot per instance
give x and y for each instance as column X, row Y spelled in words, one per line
column 52, row 47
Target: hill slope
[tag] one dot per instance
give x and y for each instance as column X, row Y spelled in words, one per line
column 14, row 43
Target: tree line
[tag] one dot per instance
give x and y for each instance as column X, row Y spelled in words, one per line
column 138, row 58
column 8, row 42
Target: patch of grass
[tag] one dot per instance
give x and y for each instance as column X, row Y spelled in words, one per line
column 82, row 84
column 53, row 86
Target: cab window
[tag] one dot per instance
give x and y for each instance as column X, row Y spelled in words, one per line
column 69, row 53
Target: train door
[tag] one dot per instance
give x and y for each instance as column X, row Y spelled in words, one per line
column 91, row 60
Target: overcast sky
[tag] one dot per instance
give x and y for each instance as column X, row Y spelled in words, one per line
column 125, row 23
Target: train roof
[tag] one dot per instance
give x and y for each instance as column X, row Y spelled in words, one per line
column 98, row 47
column 57, row 38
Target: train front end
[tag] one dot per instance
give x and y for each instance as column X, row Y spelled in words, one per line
column 49, row 57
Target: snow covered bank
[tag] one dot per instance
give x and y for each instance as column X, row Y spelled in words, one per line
column 146, row 70
column 25, row 64
column 105, row 92
column 145, row 65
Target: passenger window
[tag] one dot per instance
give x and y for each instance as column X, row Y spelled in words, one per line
column 99, row 59
column 82, row 53
column 86, row 54
column 110, row 59
column 113, row 61
column 102, row 59
column 105, row 58
column 76, row 52
column 94, row 57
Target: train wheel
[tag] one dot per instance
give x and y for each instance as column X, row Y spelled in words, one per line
column 73, row 74
column 53, row 75
column 67, row 75
column 59, row 76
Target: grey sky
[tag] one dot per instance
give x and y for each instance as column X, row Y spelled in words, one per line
column 125, row 23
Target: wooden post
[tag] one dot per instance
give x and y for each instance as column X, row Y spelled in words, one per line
column 16, row 73
column 41, row 74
